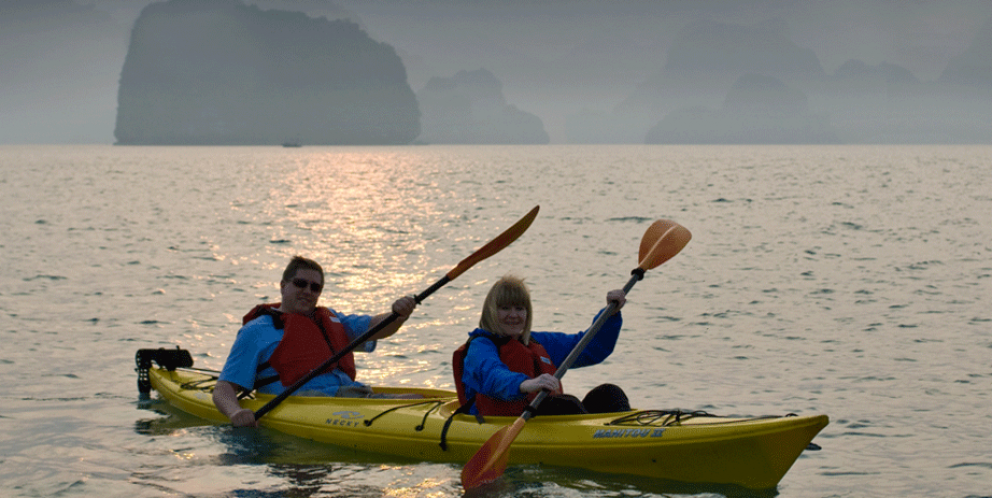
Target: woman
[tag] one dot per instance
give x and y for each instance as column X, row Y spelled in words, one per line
column 504, row 365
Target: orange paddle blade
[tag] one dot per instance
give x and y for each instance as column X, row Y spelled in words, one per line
column 490, row 461
column 496, row 245
column 661, row 242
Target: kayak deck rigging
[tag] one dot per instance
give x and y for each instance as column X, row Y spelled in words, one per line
column 691, row 446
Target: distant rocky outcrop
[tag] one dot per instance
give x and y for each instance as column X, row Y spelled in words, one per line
column 873, row 103
column 962, row 104
column 469, row 108
column 220, row 72
column 886, row 103
column 758, row 109
column 973, row 67
column 885, row 74
column 863, row 103
column 707, row 58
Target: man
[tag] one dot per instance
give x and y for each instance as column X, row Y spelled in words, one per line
column 280, row 343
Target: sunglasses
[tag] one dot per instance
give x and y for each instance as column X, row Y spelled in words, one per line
column 301, row 283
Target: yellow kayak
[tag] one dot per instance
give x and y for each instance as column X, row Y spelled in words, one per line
column 691, row 447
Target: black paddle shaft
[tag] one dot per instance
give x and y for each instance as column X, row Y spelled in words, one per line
column 636, row 275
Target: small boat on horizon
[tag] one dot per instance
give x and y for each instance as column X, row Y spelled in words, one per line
column 291, row 144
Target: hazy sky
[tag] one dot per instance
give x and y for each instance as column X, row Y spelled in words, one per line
column 60, row 60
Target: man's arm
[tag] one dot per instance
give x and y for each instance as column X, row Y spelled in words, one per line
column 226, row 399
column 403, row 307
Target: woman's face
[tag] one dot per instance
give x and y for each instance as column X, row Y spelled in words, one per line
column 512, row 319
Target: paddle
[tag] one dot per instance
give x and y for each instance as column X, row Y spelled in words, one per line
column 494, row 246
column 662, row 240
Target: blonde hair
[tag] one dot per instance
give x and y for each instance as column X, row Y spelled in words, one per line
column 507, row 291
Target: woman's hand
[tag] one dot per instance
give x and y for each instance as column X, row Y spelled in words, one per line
column 546, row 382
column 616, row 296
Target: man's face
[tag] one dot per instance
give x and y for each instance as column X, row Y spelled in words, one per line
column 299, row 294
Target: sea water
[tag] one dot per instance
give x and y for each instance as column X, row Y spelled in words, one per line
column 847, row 280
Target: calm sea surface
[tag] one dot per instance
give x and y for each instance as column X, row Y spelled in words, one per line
column 851, row 281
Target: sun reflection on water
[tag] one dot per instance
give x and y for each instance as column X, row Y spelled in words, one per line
column 429, row 488
column 372, row 218
column 350, row 210
column 383, row 222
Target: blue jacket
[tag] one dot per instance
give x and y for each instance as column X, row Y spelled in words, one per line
column 486, row 373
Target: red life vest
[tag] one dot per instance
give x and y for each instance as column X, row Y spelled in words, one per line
column 305, row 344
column 531, row 360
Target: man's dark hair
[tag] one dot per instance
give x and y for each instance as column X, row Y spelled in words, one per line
column 299, row 262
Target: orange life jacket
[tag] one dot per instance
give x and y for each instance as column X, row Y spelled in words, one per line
column 305, row 345
column 531, row 360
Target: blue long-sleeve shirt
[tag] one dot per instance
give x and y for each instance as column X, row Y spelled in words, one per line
column 485, row 373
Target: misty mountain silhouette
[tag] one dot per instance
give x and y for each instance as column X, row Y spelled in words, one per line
column 973, row 68
column 758, row 110
column 469, row 108
column 705, row 60
column 877, row 71
column 218, row 72
column 710, row 91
